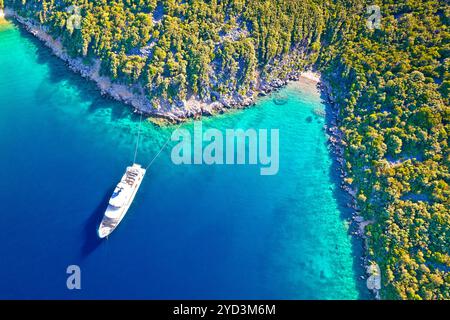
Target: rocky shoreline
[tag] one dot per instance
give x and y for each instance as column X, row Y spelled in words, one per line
column 337, row 145
column 193, row 107
column 133, row 95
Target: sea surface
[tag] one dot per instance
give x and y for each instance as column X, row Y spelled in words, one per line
column 193, row 231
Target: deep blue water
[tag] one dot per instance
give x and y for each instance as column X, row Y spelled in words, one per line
column 193, row 231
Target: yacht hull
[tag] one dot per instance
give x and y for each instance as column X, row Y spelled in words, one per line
column 114, row 214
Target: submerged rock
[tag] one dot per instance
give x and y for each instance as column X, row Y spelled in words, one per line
column 319, row 112
column 280, row 99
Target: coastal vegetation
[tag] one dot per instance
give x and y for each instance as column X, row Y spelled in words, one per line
column 392, row 88
column 175, row 49
column 390, row 84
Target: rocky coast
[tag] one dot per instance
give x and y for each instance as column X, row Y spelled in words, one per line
column 337, row 144
column 134, row 96
column 194, row 107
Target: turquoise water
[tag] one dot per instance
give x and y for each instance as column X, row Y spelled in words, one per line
column 193, row 231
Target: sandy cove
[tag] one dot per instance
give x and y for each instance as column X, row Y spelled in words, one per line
column 2, row 17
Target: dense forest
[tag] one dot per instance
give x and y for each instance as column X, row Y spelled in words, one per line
column 391, row 84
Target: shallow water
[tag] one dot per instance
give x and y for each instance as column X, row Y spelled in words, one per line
column 193, row 231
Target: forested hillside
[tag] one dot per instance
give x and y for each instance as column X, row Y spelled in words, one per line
column 391, row 86
column 178, row 48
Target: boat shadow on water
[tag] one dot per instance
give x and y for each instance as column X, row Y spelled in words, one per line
column 92, row 241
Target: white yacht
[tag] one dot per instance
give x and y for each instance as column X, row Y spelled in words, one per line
column 121, row 199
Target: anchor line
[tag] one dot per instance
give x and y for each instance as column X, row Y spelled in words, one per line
column 138, row 137
column 162, row 148
column 167, row 142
